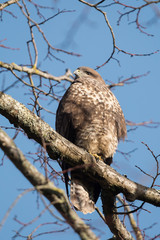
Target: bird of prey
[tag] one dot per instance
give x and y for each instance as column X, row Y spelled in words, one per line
column 89, row 115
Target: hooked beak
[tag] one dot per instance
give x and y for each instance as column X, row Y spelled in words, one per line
column 76, row 73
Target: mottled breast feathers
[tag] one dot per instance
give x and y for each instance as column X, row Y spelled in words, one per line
column 89, row 116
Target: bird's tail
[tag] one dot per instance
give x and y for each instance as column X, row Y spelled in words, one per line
column 84, row 194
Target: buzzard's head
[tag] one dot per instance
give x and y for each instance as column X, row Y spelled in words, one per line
column 87, row 72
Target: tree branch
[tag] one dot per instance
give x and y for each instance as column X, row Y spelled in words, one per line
column 35, row 71
column 112, row 219
column 55, row 195
column 110, row 181
column 57, row 146
column 115, row 47
column 131, row 219
column 6, row 4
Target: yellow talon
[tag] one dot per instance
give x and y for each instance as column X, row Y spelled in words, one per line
column 97, row 157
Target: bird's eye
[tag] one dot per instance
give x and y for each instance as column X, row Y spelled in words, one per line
column 88, row 73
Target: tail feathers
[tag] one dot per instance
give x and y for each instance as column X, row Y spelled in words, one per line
column 84, row 195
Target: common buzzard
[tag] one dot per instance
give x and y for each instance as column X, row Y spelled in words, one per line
column 89, row 116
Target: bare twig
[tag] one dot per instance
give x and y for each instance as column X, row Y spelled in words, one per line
column 7, row 47
column 114, row 46
column 129, row 80
column 42, row 33
column 35, row 71
column 13, row 204
column 32, row 38
column 131, row 219
column 157, row 164
column 149, row 124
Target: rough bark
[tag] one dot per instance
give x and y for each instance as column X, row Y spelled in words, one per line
column 55, row 195
column 57, row 146
column 111, row 218
column 111, row 182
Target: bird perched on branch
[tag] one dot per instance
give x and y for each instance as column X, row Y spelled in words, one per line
column 89, row 116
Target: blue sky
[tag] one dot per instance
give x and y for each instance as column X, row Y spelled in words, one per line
column 83, row 30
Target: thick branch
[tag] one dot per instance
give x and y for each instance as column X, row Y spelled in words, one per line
column 55, row 195
column 112, row 219
column 58, row 146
